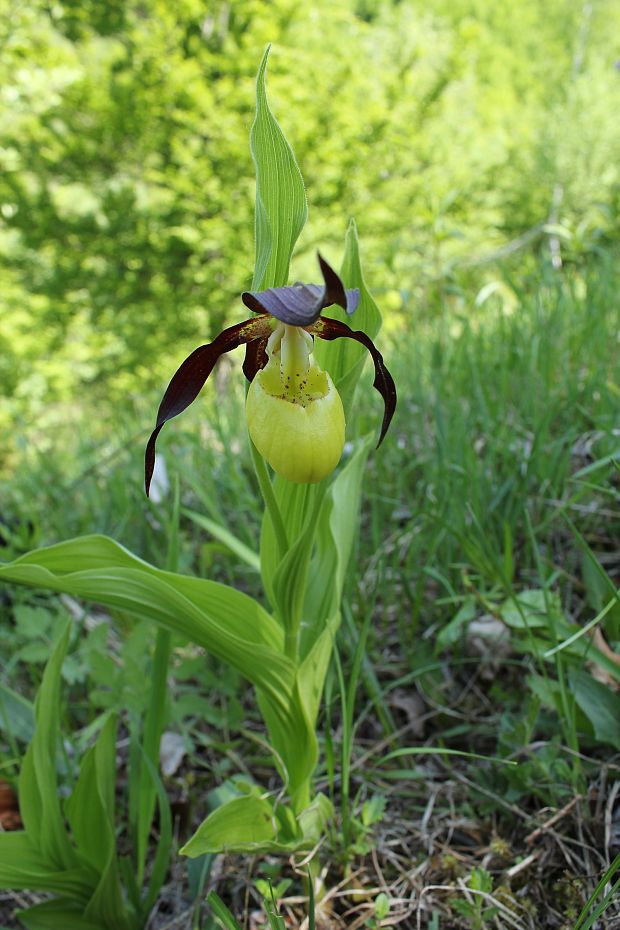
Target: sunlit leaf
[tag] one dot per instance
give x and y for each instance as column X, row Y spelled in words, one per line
column 281, row 208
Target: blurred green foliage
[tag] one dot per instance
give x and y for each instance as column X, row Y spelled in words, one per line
column 454, row 130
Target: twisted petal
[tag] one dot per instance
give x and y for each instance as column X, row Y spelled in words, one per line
column 188, row 380
column 384, row 383
column 301, row 304
column 255, row 357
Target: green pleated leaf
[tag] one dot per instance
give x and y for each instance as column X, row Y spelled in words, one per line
column 313, row 668
column 90, row 813
column 229, row 624
column 59, row 914
column 22, row 867
column 281, row 208
column 90, row 808
column 344, row 358
column 313, row 820
column 294, row 741
column 226, row 622
column 38, row 790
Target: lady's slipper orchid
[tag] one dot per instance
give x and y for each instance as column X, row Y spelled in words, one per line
column 294, row 412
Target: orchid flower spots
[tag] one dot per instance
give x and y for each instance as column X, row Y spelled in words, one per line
column 293, row 410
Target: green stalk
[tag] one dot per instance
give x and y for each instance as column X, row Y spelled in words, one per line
column 269, row 498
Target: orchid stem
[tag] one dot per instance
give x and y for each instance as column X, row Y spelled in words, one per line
column 271, row 503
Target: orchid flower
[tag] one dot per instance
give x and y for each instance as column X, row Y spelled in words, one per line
column 294, row 413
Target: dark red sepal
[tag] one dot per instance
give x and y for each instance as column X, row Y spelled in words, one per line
column 301, row 304
column 255, row 357
column 384, row 383
column 189, row 379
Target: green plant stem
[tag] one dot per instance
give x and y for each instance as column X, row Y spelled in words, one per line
column 266, row 489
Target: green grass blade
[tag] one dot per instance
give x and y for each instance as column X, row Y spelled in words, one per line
column 221, row 912
column 228, row 539
column 586, row 921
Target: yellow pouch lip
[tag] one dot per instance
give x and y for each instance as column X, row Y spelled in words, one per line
column 302, row 435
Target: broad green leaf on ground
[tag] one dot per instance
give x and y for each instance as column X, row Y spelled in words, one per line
column 531, row 608
column 452, row 632
column 250, row 823
column 601, row 706
column 256, row 822
column 281, row 208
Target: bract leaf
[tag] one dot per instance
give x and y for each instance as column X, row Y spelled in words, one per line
column 281, row 208
column 343, row 358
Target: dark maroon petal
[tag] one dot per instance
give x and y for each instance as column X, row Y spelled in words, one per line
column 301, row 304
column 384, row 383
column 255, row 357
column 188, row 380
